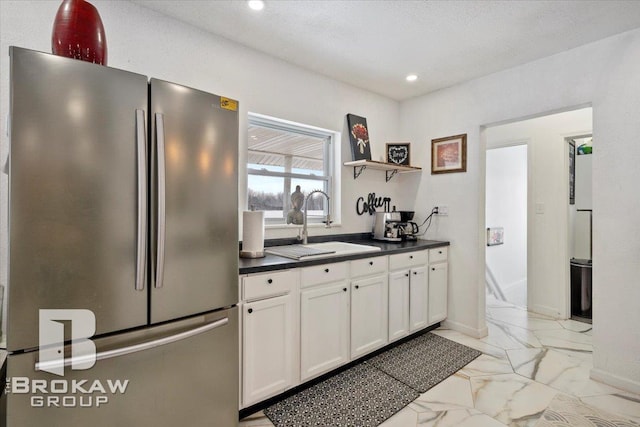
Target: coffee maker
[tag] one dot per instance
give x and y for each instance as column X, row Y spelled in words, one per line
column 395, row 226
column 409, row 229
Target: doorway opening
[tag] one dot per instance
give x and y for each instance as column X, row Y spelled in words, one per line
column 506, row 209
column 527, row 202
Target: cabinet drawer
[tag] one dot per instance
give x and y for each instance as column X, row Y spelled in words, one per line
column 368, row 266
column 438, row 254
column 324, row 273
column 268, row 284
column 408, row 260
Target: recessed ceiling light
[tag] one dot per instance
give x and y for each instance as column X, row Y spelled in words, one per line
column 256, row 4
column 412, row 78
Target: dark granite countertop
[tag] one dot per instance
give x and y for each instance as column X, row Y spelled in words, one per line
column 274, row 262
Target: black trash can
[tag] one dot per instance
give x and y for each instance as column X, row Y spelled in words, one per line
column 581, row 298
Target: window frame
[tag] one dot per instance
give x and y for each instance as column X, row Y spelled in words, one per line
column 329, row 181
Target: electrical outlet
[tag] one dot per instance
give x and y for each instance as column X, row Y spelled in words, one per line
column 443, row 210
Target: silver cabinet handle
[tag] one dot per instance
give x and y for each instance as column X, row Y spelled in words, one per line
column 123, row 351
column 141, row 256
column 161, row 200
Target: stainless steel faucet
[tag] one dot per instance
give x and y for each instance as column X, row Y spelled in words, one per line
column 305, row 233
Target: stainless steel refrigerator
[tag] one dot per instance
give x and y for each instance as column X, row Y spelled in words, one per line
column 122, row 203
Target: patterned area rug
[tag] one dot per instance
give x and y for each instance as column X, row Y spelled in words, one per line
column 362, row 396
column 565, row 411
column 369, row 393
column 424, row 361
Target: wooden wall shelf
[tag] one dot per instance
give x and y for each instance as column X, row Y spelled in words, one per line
column 390, row 168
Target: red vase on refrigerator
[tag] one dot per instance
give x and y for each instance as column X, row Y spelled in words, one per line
column 78, row 32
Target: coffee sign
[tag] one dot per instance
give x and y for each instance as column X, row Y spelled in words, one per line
column 371, row 203
column 398, row 153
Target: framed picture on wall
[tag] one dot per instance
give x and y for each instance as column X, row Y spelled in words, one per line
column 495, row 236
column 359, row 137
column 449, row 154
column 572, row 172
column 398, row 153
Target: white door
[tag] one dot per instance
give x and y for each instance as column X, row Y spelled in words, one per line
column 418, row 298
column 437, row 292
column 324, row 328
column 398, row 304
column 267, row 348
column 369, row 305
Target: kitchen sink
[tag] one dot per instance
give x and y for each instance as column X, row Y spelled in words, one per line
column 320, row 250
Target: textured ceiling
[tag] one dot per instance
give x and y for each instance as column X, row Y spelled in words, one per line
column 375, row 44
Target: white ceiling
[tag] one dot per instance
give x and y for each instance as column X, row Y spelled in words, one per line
column 375, row 44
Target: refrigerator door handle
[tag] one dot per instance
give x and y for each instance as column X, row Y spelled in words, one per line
column 141, row 142
column 161, row 200
column 136, row 348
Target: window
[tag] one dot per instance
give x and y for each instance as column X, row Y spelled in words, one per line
column 282, row 155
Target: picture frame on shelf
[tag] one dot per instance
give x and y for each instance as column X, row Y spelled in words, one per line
column 449, row 154
column 359, row 137
column 398, row 153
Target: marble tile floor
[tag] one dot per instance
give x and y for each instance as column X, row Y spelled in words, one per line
column 528, row 359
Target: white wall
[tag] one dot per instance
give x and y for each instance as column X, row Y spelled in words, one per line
column 548, row 284
column 607, row 77
column 506, row 207
column 149, row 43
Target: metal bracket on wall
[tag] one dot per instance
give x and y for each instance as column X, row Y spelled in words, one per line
column 357, row 170
column 390, row 174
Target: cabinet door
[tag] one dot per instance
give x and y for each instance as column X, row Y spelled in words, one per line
column 418, row 298
column 398, row 304
column 267, row 348
column 369, row 305
column 437, row 292
column 324, row 328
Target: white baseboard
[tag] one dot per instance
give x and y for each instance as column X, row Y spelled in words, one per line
column 544, row 310
column 475, row 333
column 615, row 380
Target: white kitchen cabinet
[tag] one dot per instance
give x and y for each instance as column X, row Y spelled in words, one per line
column 300, row 323
column 418, row 298
column 267, row 348
column 269, row 334
column 438, row 279
column 369, row 307
column 324, row 328
column 398, row 304
column 408, row 293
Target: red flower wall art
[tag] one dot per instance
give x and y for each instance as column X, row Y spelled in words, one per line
column 359, row 137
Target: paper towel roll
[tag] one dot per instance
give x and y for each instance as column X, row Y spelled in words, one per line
column 252, row 234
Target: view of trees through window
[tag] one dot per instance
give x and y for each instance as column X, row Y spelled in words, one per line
column 274, row 202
